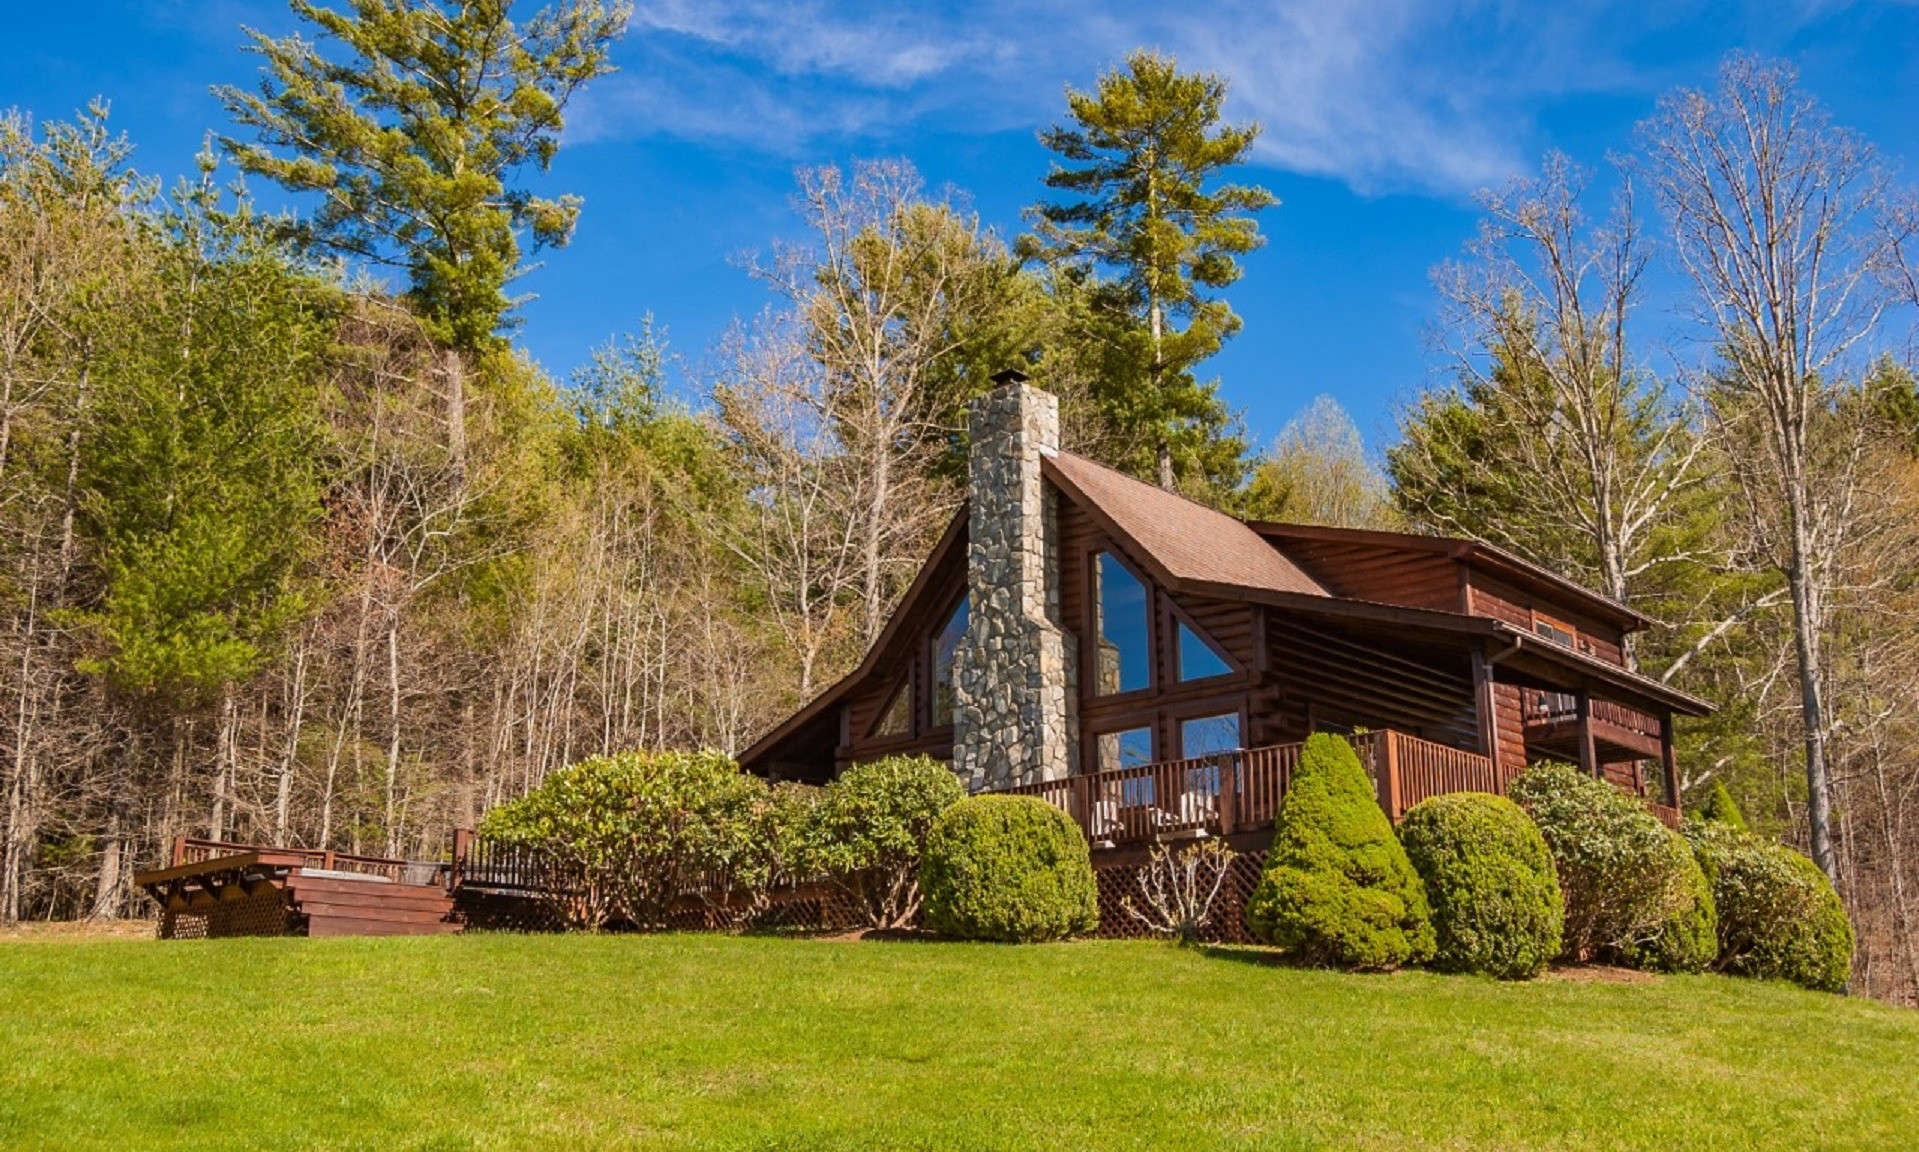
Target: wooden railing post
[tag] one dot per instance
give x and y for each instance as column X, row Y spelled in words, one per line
column 1389, row 772
column 177, row 855
column 462, row 845
column 1228, row 790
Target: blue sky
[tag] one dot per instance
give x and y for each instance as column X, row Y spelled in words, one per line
column 1381, row 120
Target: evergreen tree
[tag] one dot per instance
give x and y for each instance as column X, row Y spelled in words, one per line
column 1141, row 157
column 203, row 481
column 408, row 119
column 1719, row 807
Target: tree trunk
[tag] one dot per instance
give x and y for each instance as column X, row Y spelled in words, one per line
column 1805, row 626
column 393, row 736
column 107, row 895
column 453, row 371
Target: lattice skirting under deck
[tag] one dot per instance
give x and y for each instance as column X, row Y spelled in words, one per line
column 265, row 913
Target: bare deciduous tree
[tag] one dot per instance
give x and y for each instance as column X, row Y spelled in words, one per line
column 1772, row 206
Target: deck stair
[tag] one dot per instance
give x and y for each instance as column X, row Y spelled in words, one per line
column 215, row 888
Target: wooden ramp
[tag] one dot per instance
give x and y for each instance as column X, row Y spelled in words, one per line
column 215, row 889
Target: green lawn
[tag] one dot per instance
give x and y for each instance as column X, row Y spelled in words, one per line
column 716, row 1042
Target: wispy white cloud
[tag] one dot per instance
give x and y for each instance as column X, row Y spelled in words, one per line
column 1421, row 95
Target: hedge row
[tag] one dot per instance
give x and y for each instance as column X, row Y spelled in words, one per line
column 1568, row 868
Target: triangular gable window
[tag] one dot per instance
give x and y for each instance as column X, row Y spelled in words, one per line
column 1197, row 659
column 896, row 719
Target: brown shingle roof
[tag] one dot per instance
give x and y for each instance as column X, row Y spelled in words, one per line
column 1193, row 544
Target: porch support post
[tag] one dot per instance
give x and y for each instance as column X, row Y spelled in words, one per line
column 1667, row 762
column 1486, row 705
column 1588, row 752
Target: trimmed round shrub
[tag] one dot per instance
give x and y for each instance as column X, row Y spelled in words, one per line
column 1490, row 881
column 1338, row 888
column 1633, row 893
column 1779, row 917
column 1011, row 868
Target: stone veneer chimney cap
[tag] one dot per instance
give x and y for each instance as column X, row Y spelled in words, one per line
column 1007, row 376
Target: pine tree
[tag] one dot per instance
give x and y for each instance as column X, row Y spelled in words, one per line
column 1140, row 154
column 407, row 120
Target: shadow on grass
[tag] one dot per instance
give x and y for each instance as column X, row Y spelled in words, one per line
column 1257, row 955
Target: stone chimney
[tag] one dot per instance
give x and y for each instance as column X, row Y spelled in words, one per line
column 1014, row 674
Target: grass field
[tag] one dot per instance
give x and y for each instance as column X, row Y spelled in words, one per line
column 752, row 1043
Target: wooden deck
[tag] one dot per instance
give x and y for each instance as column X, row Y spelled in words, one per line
column 217, row 888
column 1238, row 792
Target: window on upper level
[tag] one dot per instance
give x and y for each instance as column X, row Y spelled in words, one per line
column 1558, row 631
column 1195, row 658
column 945, row 645
column 1123, row 616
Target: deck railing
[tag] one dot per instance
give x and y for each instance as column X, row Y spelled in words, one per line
column 509, row 868
column 1539, row 707
column 193, row 850
column 1241, row 791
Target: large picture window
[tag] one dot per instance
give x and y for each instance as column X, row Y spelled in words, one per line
column 945, row 645
column 1124, row 628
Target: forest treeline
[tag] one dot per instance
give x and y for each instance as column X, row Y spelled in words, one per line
column 297, row 546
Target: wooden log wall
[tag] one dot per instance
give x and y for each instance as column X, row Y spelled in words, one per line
column 1503, row 601
column 1415, row 579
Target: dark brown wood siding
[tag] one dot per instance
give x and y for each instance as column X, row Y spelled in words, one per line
column 906, row 657
column 1414, row 578
column 1322, row 676
column 1513, row 757
column 1503, row 601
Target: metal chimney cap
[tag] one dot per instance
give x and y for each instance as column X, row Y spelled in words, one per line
column 1010, row 376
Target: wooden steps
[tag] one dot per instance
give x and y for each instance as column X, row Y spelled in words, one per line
column 344, row 906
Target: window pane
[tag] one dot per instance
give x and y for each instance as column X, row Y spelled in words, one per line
column 1205, row 735
column 944, row 645
column 1128, row 749
column 1132, row 748
column 1197, row 660
column 893, row 720
column 1125, row 629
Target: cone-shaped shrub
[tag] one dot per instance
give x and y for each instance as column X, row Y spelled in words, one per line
column 1494, row 895
column 1719, row 808
column 1778, row 915
column 1007, row 868
column 1338, row 888
column 1632, row 891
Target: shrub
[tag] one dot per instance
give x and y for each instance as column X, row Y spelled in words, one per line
column 870, row 828
column 632, row 833
column 1688, row 937
column 1719, row 807
column 1338, row 888
column 1779, row 917
column 1008, row 868
column 1632, row 892
column 1177, row 888
column 1495, row 898
column 772, row 849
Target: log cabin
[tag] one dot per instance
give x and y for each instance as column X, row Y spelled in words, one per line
column 1152, row 665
